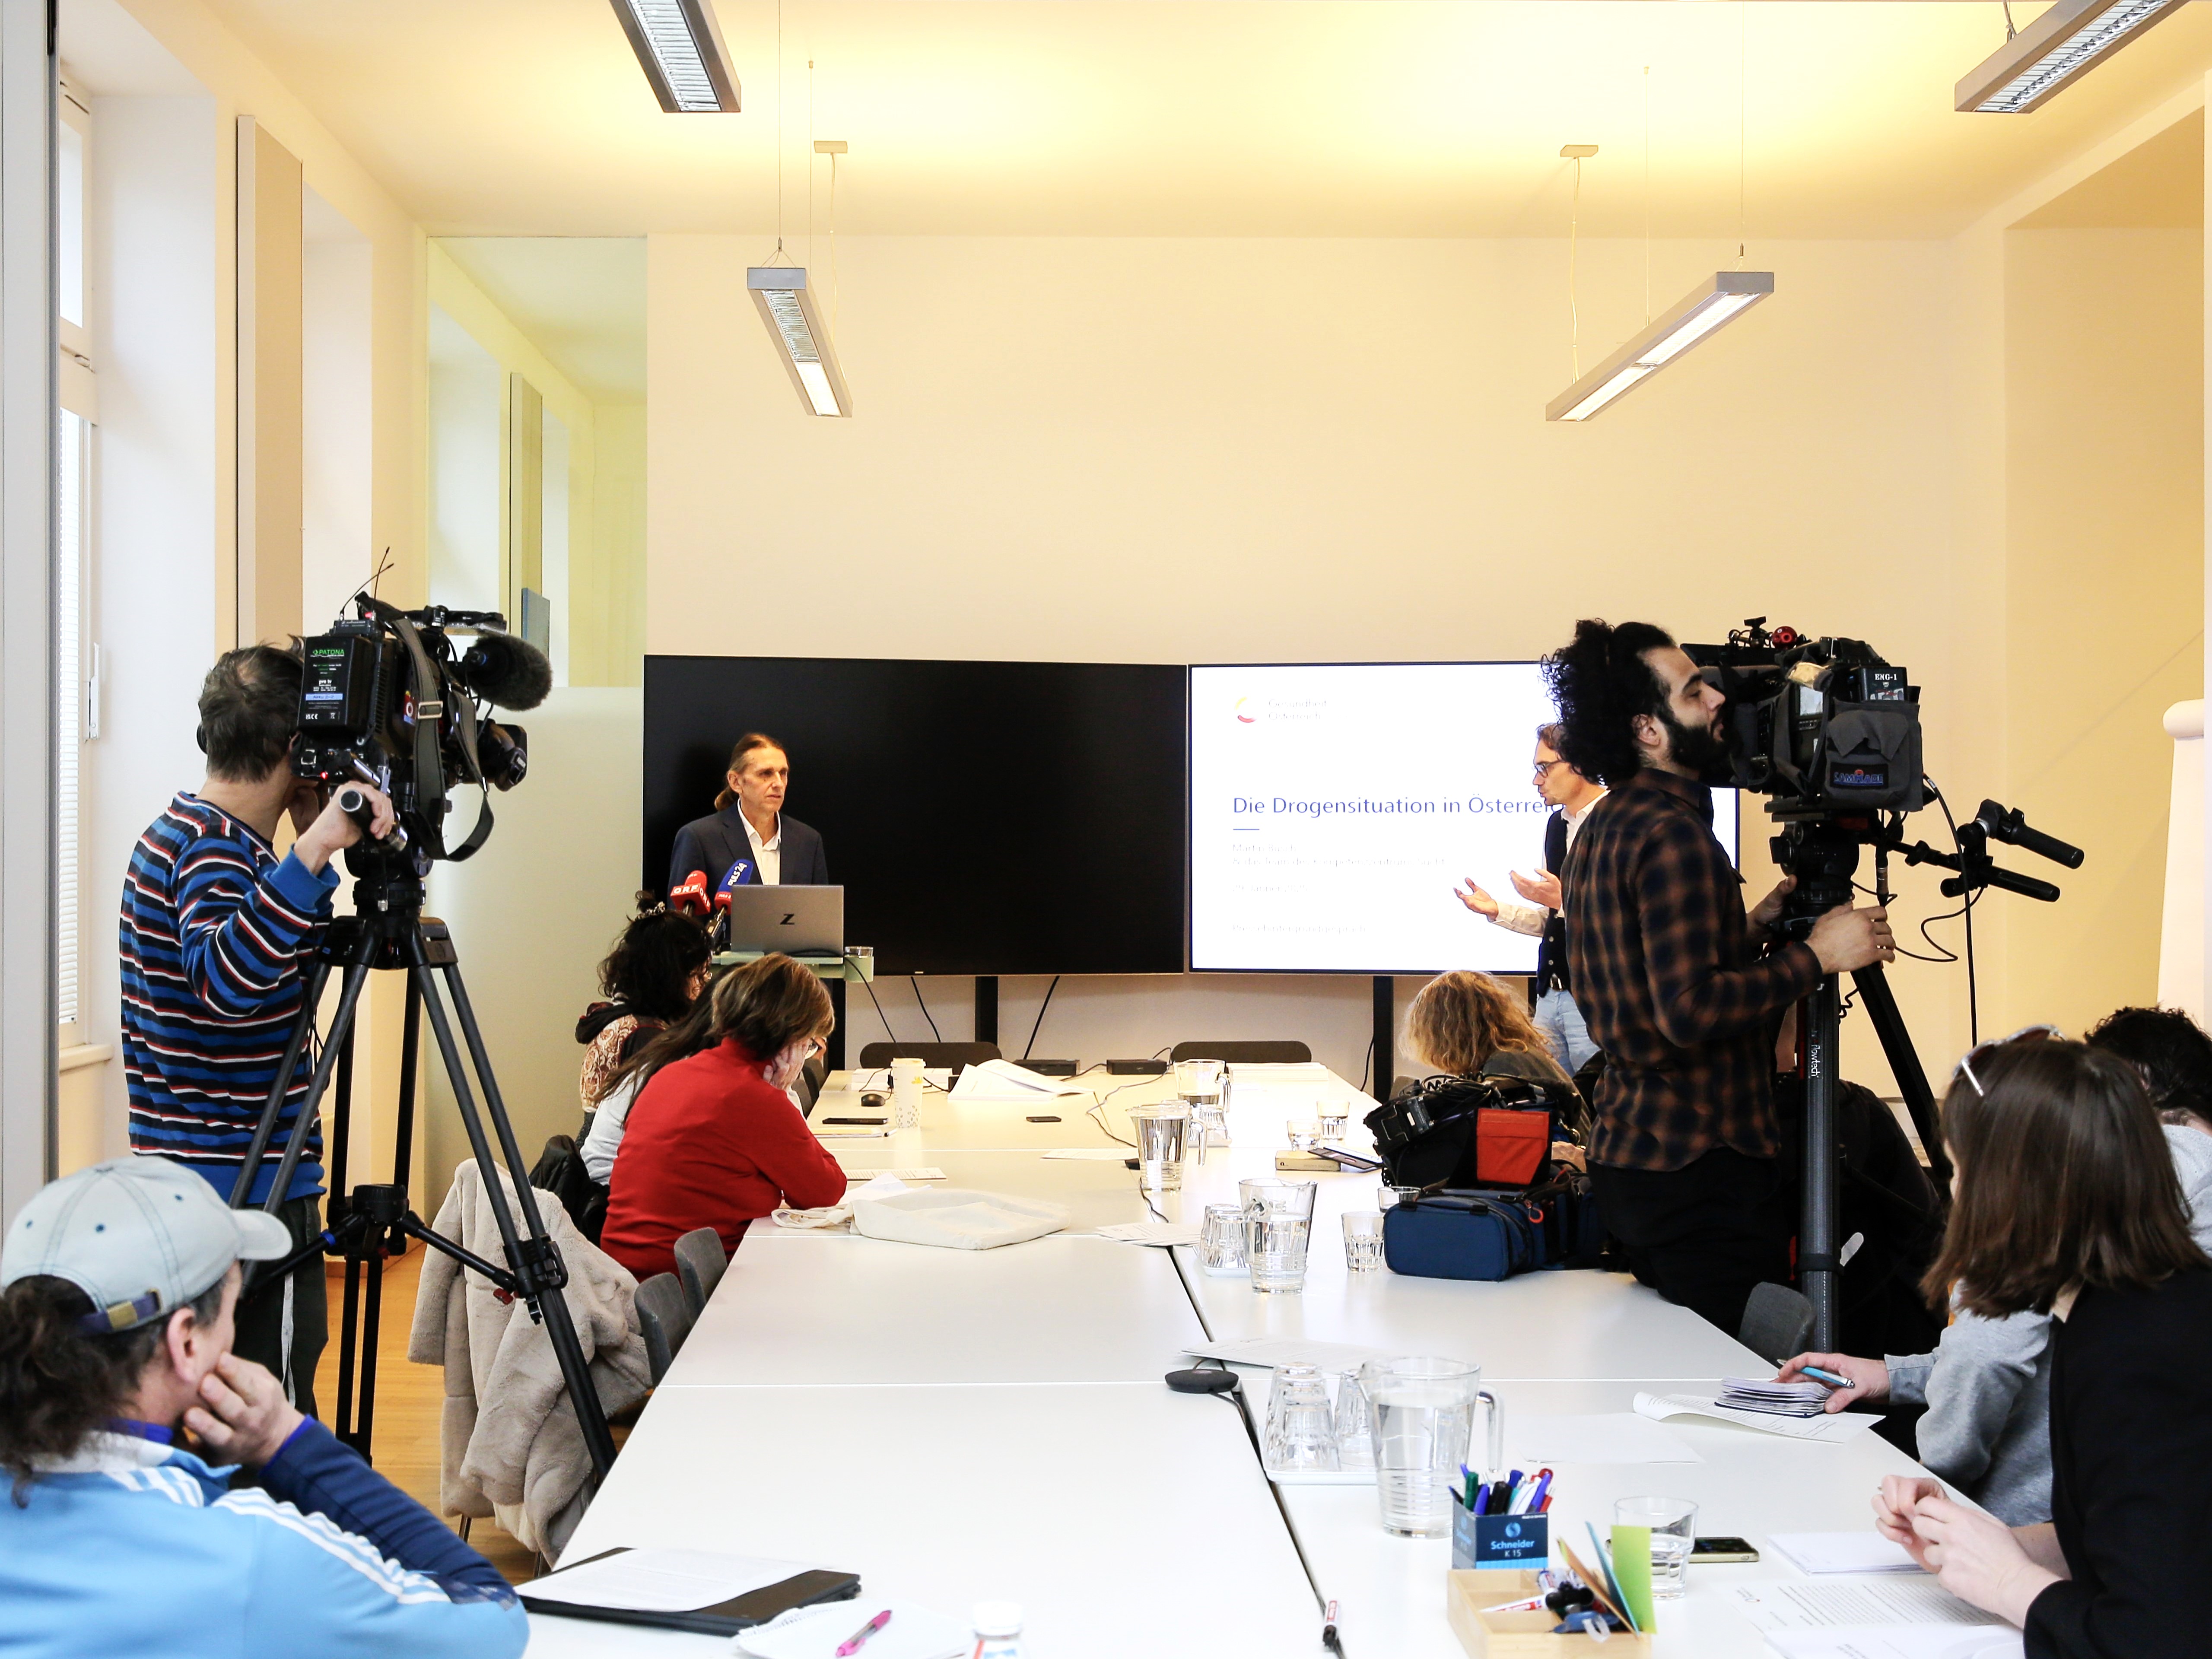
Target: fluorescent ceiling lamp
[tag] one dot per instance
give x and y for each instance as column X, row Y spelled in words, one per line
column 2049, row 54
column 1709, row 305
column 682, row 53
column 787, row 308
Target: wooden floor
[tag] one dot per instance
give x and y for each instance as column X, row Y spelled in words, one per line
column 404, row 1431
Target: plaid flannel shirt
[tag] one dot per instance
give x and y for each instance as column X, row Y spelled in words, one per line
column 1676, row 983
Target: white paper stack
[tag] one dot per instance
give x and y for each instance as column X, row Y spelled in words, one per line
column 1001, row 1079
column 1746, row 1394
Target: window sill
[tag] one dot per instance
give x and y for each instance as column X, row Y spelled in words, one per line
column 86, row 1054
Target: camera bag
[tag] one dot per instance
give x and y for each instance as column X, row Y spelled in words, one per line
column 1493, row 1235
column 1466, row 1133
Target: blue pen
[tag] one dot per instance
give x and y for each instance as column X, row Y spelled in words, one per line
column 1828, row 1377
column 1536, row 1495
column 1482, row 1500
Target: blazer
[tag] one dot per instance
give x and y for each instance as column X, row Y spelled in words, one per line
column 715, row 842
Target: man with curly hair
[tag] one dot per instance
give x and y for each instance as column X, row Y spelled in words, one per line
column 1680, row 987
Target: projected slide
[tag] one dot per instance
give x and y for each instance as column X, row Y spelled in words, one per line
column 1334, row 807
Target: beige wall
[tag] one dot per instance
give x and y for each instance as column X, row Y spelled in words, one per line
column 2103, row 612
column 1225, row 450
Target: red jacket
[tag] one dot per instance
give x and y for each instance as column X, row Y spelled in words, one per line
column 710, row 1143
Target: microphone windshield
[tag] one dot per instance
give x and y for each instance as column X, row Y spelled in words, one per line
column 509, row 671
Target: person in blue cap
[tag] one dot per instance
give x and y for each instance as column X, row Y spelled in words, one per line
column 117, row 1289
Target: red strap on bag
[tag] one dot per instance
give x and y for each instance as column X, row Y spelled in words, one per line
column 1511, row 1147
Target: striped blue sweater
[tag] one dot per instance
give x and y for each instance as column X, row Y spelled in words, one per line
column 216, row 932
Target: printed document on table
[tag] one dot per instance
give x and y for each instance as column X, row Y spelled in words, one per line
column 1150, row 1232
column 1842, row 1551
column 1001, row 1079
column 1600, row 1438
column 816, row 1633
column 1832, row 1431
column 662, row 1581
column 1795, row 1604
column 1900, row 1641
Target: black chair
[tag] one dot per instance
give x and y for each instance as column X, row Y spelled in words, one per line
column 958, row 1055
column 701, row 1261
column 1777, row 1323
column 665, row 1318
column 1245, row 1054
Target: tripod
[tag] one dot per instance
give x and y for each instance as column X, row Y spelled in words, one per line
column 389, row 931
column 1820, row 849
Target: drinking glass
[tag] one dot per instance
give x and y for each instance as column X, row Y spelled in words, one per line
column 1209, row 1128
column 1161, row 1130
column 1301, row 1431
column 1305, row 1137
column 1362, row 1240
column 1278, row 1223
column 906, row 1093
column 1355, row 1425
column 1423, row 1410
column 1199, row 1082
column 1221, row 1241
column 1674, row 1523
column 1334, row 1121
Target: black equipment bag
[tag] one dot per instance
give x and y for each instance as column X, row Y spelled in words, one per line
column 1467, row 1134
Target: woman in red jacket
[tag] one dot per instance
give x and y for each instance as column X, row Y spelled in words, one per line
column 712, row 1140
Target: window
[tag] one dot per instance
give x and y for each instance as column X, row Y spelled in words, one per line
column 76, row 715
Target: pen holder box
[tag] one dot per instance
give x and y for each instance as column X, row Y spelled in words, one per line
column 1499, row 1540
column 1519, row 1635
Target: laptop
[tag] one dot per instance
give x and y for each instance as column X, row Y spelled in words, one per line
column 800, row 922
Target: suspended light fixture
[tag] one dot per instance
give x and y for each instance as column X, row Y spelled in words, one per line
column 1706, row 309
column 785, row 305
column 680, row 52
column 2065, row 43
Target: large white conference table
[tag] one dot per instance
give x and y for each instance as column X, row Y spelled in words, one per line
column 956, row 1426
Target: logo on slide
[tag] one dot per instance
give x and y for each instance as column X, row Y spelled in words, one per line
column 1245, row 719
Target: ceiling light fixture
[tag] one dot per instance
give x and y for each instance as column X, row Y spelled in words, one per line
column 787, row 308
column 2065, row 43
column 1707, row 308
column 682, row 53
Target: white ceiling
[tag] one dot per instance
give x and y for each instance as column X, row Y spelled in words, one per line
column 580, row 299
column 1385, row 118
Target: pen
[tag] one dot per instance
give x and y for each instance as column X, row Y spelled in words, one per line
column 1481, row 1505
column 852, row 1643
column 1542, row 1490
column 1828, row 1377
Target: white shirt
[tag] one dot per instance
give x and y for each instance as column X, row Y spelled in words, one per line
column 767, row 855
column 1530, row 918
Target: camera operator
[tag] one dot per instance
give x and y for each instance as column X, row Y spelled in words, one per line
column 123, row 1412
column 1681, row 989
column 215, row 931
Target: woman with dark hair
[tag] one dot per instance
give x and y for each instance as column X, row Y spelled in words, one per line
column 2067, row 1203
column 650, row 980
column 714, row 1140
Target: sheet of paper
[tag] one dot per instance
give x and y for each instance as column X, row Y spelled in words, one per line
column 661, row 1580
column 1830, row 1430
column 850, row 1131
column 881, row 1187
column 1842, row 1551
column 1001, row 1079
column 1787, row 1604
column 1899, row 1642
column 1602, row 1437
column 924, row 1173
column 1338, row 1357
column 816, row 1633
column 1095, row 1154
column 1150, row 1232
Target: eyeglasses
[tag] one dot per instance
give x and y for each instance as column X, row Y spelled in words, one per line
column 1544, row 768
column 1984, row 1050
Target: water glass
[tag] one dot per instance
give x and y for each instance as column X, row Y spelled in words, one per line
column 1355, row 1425
column 1199, row 1082
column 1305, row 1137
column 1362, row 1240
column 1301, row 1431
column 906, row 1093
column 1674, row 1523
column 1423, row 1411
column 1161, row 1130
column 1221, row 1241
column 1209, row 1128
column 1334, row 1122
column 1277, row 1224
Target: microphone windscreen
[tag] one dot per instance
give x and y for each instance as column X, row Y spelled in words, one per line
column 690, row 893
column 507, row 671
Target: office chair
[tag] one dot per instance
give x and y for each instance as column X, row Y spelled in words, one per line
column 664, row 1317
column 701, row 1261
column 1777, row 1322
column 958, row 1055
column 1245, row 1054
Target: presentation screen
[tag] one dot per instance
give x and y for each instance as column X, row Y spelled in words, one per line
column 1334, row 806
column 982, row 817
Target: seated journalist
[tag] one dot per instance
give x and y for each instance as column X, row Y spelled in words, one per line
column 2067, row 1204
column 124, row 1415
column 650, row 978
column 712, row 1140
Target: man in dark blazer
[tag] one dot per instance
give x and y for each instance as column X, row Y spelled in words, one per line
column 751, row 828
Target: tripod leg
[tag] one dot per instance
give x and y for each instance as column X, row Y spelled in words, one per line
column 374, row 1268
column 1816, row 1232
column 294, row 1046
column 535, row 1262
column 342, row 1114
column 341, row 1035
column 1905, row 1065
column 344, row 1424
column 410, row 1055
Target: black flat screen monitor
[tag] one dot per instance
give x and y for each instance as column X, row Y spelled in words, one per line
column 982, row 817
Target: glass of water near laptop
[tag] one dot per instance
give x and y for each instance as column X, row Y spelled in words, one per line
column 1674, row 1523
column 1163, row 1131
column 1278, row 1227
column 1423, row 1412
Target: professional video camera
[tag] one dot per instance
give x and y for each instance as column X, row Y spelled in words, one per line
column 388, row 700
column 1829, row 731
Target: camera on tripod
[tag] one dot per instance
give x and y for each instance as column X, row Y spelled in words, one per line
column 388, row 699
